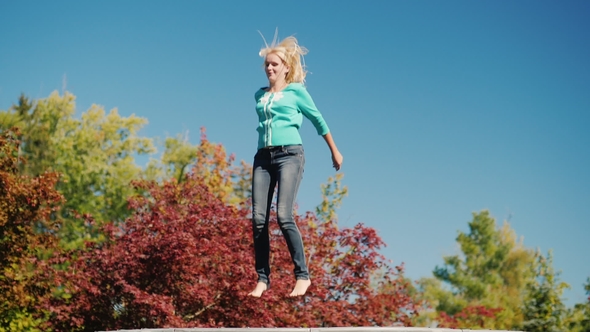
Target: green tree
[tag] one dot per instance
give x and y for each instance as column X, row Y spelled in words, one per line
column 208, row 160
column 543, row 308
column 491, row 273
column 36, row 127
column 578, row 317
column 178, row 157
column 333, row 192
column 95, row 155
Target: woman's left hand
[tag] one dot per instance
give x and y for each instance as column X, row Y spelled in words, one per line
column 337, row 160
column 336, row 156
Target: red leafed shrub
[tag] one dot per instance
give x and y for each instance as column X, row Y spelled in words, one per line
column 27, row 235
column 185, row 259
column 470, row 317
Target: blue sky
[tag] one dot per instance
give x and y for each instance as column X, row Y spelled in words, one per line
column 440, row 109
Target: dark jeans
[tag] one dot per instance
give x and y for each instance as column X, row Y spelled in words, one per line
column 282, row 165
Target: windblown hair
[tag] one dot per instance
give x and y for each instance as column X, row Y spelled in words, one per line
column 291, row 53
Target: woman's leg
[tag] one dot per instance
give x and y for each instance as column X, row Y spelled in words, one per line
column 263, row 184
column 289, row 174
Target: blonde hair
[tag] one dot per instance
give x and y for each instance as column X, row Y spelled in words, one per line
column 291, row 53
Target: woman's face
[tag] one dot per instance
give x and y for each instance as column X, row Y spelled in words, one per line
column 275, row 68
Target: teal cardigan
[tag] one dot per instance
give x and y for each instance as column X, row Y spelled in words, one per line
column 280, row 115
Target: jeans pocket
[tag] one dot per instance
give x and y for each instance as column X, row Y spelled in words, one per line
column 294, row 150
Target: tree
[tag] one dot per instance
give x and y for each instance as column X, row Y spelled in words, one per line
column 491, row 274
column 178, row 156
column 36, row 126
column 209, row 161
column 184, row 259
column 578, row 318
column 27, row 226
column 94, row 154
column 474, row 317
column 333, row 192
column 543, row 308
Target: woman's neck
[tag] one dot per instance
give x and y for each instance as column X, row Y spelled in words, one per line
column 277, row 86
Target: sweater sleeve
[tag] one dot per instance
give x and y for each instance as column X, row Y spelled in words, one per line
column 307, row 107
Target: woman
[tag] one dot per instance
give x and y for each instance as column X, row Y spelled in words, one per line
column 280, row 158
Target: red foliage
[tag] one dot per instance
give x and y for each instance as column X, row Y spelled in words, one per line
column 469, row 317
column 27, row 230
column 185, row 259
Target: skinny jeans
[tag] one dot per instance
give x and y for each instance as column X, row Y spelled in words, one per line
column 281, row 167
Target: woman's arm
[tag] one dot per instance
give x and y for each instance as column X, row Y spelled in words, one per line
column 336, row 156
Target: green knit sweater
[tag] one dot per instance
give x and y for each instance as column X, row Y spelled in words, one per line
column 280, row 115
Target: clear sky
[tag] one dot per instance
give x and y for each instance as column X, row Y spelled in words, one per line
column 440, row 109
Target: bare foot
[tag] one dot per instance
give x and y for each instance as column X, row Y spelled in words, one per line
column 300, row 288
column 260, row 288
